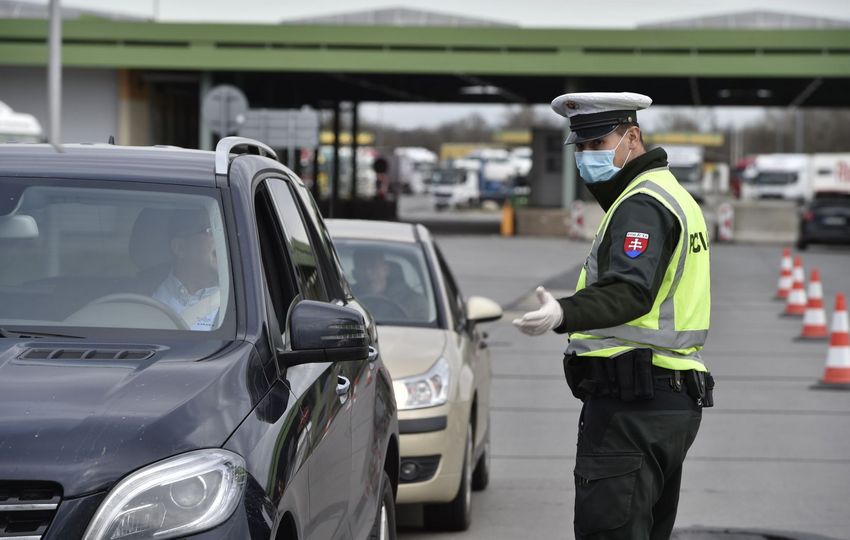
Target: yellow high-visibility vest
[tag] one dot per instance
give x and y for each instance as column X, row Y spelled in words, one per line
column 677, row 325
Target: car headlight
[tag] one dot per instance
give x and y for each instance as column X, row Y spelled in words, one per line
column 182, row 495
column 427, row 390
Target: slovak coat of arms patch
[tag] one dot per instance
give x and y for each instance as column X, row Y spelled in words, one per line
column 635, row 244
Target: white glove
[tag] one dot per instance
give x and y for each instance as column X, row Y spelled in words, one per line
column 550, row 315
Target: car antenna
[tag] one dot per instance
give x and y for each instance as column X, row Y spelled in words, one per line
column 111, row 140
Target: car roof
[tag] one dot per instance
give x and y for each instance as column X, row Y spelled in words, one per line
column 362, row 229
column 163, row 164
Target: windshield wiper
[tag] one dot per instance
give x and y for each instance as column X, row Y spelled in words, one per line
column 24, row 334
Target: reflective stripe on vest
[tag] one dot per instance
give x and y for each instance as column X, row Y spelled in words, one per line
column 677, row 349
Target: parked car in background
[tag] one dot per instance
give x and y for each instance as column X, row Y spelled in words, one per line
column 434, row 348
column 181, row 355
column 825, row 220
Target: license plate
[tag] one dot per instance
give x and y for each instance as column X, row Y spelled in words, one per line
column 834, row 221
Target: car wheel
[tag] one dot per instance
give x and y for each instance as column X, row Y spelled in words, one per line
column 455, row 515
column 802, row 245
column 481, row 475
column 384, row 527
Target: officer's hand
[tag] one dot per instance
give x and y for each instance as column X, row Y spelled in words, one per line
column 550, row 315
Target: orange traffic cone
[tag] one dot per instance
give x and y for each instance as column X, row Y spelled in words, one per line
column 796, row 305
column 814, row 320
column 785, row 279
column 837, row 373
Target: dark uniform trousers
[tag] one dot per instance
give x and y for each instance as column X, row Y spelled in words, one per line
column 629, row 463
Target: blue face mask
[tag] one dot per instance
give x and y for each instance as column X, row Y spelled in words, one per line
column 598, row 165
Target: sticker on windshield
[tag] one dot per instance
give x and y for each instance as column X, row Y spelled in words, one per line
column 635, row 244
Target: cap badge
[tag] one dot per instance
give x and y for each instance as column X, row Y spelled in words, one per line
column 572, row 104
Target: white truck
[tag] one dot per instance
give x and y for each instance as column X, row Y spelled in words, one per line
column 18, row 127
column 414, row 168
column 795, row 176
column 686, row 164
column 457, row 184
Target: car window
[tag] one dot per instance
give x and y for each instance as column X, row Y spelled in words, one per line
column 280, row 282
column 391, row 279
column 107, row 255
column 337, row 286
column 456, row 303
column 301, row 246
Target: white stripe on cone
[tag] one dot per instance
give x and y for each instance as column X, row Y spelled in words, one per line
column 814, row 320
column 785, row 281
column 797, row 298
column 837, row 370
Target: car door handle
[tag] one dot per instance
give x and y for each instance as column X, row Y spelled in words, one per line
column 343, row 385
column 373, row 354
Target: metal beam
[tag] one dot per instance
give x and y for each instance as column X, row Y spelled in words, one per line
column 334, row 202
column 695, row 91
column 54, row 74
column 383, row 89
column 806, row 93
column 449, row 51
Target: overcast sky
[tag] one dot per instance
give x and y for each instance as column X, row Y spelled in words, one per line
column 528, row 13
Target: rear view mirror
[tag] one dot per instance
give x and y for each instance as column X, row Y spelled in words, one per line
column 323, row 332
column 480, row 310
column 18, row 227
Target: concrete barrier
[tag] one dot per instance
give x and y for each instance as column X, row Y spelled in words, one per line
column 558, row 222
column 765, row 221
column 542, row 221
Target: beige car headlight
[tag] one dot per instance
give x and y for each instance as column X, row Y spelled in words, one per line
column 427, row 390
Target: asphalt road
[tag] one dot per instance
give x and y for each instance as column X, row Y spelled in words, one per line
column 773, row 454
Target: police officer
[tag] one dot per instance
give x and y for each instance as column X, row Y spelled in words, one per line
column 637, row 323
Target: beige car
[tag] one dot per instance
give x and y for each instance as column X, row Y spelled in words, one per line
column 432, row 344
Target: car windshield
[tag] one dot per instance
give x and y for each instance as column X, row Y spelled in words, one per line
column 448, row 177
column 391, row 279
column 774, row 178
column 96, row 255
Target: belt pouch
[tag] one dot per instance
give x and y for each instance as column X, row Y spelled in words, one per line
column 575, row 371
column 634, row 375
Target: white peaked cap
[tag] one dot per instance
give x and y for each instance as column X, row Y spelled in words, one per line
column 596, row 114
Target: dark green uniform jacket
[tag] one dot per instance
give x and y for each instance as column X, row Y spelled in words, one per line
column 627, row 287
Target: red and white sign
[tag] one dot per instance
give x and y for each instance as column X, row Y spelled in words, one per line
column 635, row 244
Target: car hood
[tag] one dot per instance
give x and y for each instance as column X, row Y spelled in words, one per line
column 85, row 423
column 408, row 351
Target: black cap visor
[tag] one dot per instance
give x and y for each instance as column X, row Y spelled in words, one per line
column 589, row 134
column 586, row 127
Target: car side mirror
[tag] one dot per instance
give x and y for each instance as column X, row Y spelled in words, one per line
column 323, row 332
column 480, row 310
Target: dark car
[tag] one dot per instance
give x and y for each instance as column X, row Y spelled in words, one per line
column 825, row 220
column 181, row 355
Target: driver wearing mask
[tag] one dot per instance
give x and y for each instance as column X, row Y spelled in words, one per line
column 191, row 289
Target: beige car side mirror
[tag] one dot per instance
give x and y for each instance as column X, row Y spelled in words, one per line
column 480, row 309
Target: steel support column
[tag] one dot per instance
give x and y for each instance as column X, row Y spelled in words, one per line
column 354, row 129
column 334, row 202
column 568, row 183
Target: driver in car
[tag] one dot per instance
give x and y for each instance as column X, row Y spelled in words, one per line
column 191, row 289
column 373, row 279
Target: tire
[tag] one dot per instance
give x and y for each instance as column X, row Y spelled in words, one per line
column 802, row 245
column 457, row 514
column 481, row 474
column 384, row 527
